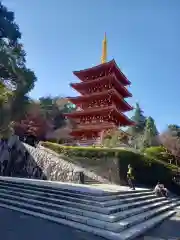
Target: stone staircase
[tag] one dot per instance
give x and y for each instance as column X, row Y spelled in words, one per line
column 90, row 181
column 121, row 215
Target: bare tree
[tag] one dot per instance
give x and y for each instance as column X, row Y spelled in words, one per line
column 172, row 143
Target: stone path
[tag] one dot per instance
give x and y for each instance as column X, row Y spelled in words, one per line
column 18, row 226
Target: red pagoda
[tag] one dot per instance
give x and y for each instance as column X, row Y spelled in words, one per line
column 101, row 104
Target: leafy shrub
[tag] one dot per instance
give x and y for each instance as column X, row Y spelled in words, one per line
column 147, row 168
column 156, row 152
column 161, row 154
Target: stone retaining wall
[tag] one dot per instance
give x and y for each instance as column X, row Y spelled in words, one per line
column 22, row 160
column 55, row 166
column 105, row 170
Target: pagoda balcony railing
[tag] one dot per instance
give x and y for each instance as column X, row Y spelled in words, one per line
column 84, row 108
column 95, row 106
column 101, row 88
column 95, row 124
column 104, row 105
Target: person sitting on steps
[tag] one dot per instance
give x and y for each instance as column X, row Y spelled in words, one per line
column 130, row 177
column 160, row 190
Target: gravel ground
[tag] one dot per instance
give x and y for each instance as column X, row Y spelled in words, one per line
column 18, row 226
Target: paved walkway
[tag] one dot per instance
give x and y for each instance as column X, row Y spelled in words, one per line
column 114, row 188
column 18, row 226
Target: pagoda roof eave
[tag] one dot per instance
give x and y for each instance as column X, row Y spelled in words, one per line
column 81, row 85
column 104, row 110
column 80, row 74
column 78, row 99
column 99, row 66
column 126, row 81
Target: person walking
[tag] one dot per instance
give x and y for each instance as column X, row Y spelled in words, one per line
column 130, row 177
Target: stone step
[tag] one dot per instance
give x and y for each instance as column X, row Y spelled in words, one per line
column 138, row 210
column 122, row 207
column 130, row 194
column 133, row 220
column 39, row 192
column 43, row 195
column 57, row 187
column 33, row 205
column 91, row 182
column 88, row 207
column 72, row 209
column 103, row 196
column 123, row 218
column 157, row 238
column 140, row 229
column 81, row 195
column 124, row 235
column 130, row 199
column 88, row 180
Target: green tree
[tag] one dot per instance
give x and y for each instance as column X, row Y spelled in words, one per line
column 137, row 130
column 8, row 28
column 174, row 130
column 16, row 80
column 54, row 108
column 150, row 137
column 139, row 119
column 48, row 107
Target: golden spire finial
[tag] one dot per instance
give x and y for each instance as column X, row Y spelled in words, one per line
column 104, row 50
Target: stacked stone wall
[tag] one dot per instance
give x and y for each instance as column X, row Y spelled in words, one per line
column 21, row 160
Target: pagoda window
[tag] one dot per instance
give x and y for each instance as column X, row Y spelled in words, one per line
column 97, row 117
column 93, row 120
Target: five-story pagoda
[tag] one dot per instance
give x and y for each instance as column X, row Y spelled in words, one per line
column 101, row 104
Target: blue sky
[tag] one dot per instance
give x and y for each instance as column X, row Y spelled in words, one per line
column 143, row 37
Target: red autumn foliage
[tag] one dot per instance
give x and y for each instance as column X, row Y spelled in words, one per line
column 34, row 125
